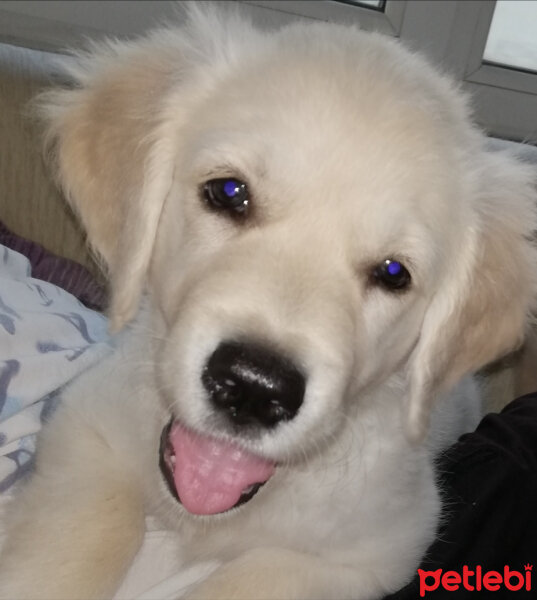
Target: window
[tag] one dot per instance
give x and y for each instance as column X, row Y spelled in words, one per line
column 505, row 95
column 378, row 4
column 512, row 38
column 378, row 15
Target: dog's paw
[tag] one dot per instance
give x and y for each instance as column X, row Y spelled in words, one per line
column 261, row 574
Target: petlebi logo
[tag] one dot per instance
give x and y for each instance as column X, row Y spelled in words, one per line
column 475, row 580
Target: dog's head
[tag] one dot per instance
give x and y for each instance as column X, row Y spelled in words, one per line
column 311, row 213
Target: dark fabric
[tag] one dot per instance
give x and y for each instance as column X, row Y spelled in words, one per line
column 489, row 484
column 65, row 273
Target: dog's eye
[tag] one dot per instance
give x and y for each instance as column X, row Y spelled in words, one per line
column 227, row 194
column 392, row 275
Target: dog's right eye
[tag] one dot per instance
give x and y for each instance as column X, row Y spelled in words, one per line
column 227, row 194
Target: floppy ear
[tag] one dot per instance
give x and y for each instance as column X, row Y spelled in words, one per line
column 483, row 308
column 114, row 158
column 113, row 135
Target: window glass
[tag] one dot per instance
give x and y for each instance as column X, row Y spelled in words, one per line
column 512, row 39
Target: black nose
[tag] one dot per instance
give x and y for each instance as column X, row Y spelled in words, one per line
column 253, row 385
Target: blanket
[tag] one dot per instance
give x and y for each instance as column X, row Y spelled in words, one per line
column 47, row 337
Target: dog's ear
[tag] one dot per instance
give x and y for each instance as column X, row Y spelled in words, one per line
column 482, row 310
column 114, row 158
column 113, row 135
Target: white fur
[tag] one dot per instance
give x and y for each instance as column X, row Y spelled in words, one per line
column 354, row 151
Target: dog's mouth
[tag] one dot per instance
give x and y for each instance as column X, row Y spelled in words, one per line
column 208, row 475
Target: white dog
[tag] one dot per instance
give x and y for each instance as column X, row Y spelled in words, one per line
column 309, row 248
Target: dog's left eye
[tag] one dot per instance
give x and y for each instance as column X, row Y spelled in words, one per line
column 227, row 194
column 392, row 275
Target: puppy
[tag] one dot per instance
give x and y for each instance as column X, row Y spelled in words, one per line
column 309, row 250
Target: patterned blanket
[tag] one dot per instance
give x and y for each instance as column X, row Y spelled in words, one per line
column 47, row 337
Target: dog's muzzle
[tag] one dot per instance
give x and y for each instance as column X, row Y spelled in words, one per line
column 254, row 388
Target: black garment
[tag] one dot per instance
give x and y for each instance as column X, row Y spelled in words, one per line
column 489, row 487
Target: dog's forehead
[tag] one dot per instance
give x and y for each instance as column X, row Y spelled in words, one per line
column 309, row 109
column 344, row 131
column 309, row 129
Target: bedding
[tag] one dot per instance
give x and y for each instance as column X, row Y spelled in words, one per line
column 47, row 337
column 65, row 273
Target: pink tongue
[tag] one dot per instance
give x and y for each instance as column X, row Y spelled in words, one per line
column 210, row 475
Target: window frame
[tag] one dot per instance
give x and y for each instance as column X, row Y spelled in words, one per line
column 387, row 20
column 493, row 87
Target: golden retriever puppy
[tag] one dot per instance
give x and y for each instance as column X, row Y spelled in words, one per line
column 310, row 249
